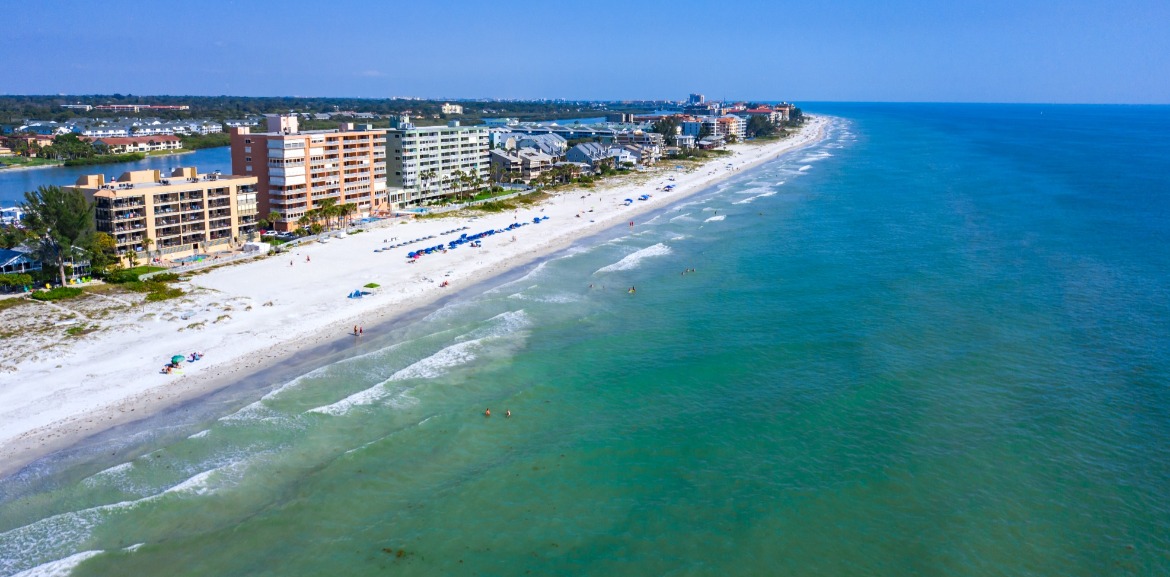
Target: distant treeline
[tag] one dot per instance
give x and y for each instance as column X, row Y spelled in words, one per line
column 14, row 109
column 105, row 159
column 197, row 141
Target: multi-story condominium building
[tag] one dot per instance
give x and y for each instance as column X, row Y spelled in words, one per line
column 452, row 108
column 720, row 126
column 732, row 125
column 186, row 214
column 423, row 161
column 297, row 170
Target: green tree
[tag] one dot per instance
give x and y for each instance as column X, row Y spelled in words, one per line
column 668, row 126
column 60, row 219
column 12, row 237
column 103, row 253
column 326, row 209
column 346, row 210
column 759, row 125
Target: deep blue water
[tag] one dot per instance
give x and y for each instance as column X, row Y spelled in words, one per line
column 14, row 183
column 936, row 343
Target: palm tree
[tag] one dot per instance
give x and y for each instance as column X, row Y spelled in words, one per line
column 465, row 179
column 428, row 177
column 476, row 181
column 345, row 210
column 456, row 180
column 326, row 209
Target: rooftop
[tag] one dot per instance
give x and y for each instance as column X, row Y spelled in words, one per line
column 140, row 179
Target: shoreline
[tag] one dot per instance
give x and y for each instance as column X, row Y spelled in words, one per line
column 291, row 312
column 7, row 168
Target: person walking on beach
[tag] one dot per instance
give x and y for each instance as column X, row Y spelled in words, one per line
column 355, row 330
column 361, row 331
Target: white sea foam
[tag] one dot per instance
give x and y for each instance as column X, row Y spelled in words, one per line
column 255, row 411
column 716, row 218
column 527, row 278
column 60, row 567
column 133, row 547
column 434, row 365
column 634, row 259
column 684, row 216
column 556, row 298
column 805, row 168
column 55, row 535
column 200, row 434
column 112, row 471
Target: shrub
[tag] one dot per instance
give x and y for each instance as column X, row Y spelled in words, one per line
column 164, row 293
column 59, row 293
column 15, row 280
column 130, row 274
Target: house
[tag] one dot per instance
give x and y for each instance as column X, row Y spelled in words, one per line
column 684, row 141
column 596, row 155
column 711, row 142
column 451, row 108
column 28, row 142
column 553, row 145
column 525, row 164
column 11, row 216
column 640, row 137
column 22, row 261
column 43, row 127
column 17, row 261
column 234, row 122
column 645, row 155
column 590, row 153
column 140, row 143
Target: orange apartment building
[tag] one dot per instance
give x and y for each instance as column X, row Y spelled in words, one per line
column 296, row 170
column 182, row 215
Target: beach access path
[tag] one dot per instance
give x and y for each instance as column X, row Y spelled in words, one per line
column 247, row 317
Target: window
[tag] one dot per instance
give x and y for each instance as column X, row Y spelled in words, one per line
column 247, row 141
column 248, row 168
column 247, row 159
column 247, row 149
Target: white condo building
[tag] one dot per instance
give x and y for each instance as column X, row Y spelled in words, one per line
column 422, row 161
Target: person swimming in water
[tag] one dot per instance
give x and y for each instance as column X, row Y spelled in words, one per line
column 487, row 412
column 632, row 290
column 508, row 413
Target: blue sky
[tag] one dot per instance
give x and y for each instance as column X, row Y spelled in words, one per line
column 895, row 50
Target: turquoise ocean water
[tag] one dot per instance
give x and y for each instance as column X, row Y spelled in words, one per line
column 936, row 343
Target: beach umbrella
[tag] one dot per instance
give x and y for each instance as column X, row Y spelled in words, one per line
column 178, row 359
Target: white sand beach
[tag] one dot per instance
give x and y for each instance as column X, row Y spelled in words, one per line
column 244, row 318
